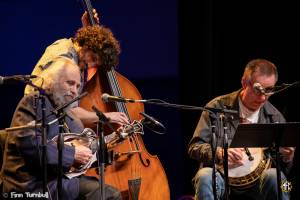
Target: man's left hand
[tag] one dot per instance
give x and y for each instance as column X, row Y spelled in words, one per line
column 85, row 18
column 287, row 153
column 117, row 117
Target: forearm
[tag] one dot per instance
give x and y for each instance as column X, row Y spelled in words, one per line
column 201, row 152
column 68, row 153
column 86, row 117
column 31, row 149
column 287, row 158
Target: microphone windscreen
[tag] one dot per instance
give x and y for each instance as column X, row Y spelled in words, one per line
column 258, row 88
column 105, row 97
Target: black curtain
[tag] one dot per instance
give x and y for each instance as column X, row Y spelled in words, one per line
column 218, row 38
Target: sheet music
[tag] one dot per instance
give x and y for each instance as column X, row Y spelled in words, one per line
column 82, row 169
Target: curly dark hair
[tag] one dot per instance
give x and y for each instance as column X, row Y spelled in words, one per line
column 102, row 41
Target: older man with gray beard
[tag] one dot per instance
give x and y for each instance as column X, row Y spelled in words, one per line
column 22, row 168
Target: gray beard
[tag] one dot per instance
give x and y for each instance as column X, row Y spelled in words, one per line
column 57, row 97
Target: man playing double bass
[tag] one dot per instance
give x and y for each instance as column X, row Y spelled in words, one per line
column 92, row 47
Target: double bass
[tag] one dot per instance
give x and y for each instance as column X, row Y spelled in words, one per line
column 136, row 173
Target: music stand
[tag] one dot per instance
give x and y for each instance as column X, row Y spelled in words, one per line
column 268, row 135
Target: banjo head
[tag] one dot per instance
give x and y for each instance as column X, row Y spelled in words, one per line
column 250, row 171
column 249, row 165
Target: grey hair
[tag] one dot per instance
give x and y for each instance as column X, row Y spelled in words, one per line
column 50, row 77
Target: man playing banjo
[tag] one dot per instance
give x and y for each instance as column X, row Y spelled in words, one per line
column 252, row 104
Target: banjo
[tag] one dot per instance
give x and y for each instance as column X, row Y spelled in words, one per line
column 255, row 163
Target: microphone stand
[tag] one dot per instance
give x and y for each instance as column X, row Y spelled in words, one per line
column 223, row 131
column 42, row 95
column 216, row 113
column 278, row 170
column 60, row 141
column 59, row 111
column 60, row 148
column 102, row 153
column 214, row 145
column 44, row 142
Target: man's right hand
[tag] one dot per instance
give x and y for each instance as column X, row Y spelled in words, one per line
column 82, row 154
column 235, row 156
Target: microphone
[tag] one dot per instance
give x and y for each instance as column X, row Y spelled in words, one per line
column 103, row 118
column 100, row 114
column 153, row 124
column 259, row 88
column 16, row 78
column 276, row 89
column 109, row 98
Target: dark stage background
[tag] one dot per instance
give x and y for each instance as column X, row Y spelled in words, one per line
column 178, row 51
